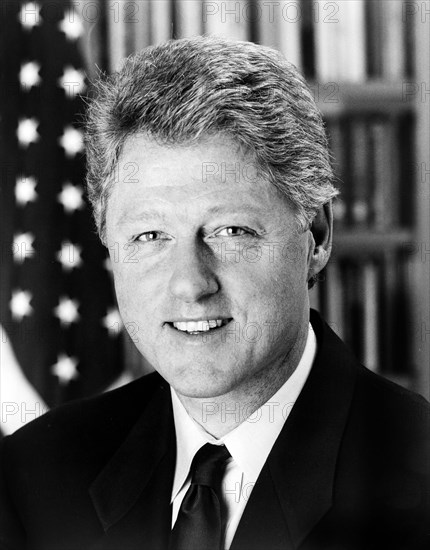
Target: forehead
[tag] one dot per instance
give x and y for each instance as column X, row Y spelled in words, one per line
column 213, row 158
column 214, row 174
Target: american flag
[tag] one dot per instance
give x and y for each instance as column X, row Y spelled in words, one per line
column 57, row 306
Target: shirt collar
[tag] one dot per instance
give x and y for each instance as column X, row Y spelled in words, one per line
column 250, row 443
column 190, row 437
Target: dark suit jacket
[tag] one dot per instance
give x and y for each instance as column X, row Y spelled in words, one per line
column 349, row 470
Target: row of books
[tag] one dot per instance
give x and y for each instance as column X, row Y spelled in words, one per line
column 360, row 39
column 375, row 181
column 342, row 40
column 365, row 303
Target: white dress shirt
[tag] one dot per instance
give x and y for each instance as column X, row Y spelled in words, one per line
column 249, row 443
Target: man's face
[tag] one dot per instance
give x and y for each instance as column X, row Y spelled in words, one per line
column 195, row 235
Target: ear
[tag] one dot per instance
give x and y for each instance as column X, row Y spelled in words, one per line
column 321, row 234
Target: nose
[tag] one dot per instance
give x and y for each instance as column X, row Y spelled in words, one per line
column 193, row 277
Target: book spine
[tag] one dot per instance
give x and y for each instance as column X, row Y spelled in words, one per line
column 116, row 30
column 340, row 40
column 160, row 20
column 227, row 18
column 335, row 133
column 370, row 316
column 347, row 173
column 379, row 174
column 139, row 26
column 360, row 174
column 393, row 40
column 307, row 38
column 352, row 41
column 289, row 31
column 268, row 24
column 189, row 18
column 388, row 295
column 326, row 33
column 279, row 26
column 386, row 173
column 353, row 297
column 374, row 38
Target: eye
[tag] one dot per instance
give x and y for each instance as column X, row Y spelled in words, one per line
column 234, row 231
column 150, row 236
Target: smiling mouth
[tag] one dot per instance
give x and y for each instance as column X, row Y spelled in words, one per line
column 199, row 327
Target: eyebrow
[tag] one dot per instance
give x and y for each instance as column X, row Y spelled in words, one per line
column 152, row 214
column 228, row 210
column 144, row 215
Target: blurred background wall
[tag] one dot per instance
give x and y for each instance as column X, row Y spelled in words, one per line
column 367, row 63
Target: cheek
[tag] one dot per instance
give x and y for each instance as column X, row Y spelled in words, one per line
column 132, row 291
column 124, row 295
column 282, row 276
column 277, row 292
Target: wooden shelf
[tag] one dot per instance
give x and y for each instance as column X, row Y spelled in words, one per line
column 366, row 242
column 336, row 98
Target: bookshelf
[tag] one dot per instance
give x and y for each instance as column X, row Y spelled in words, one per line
column 367, row 62
column 337, row 98
column 420, row 290
column 375, row 290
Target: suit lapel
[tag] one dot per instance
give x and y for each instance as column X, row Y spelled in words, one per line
column 131, row 494
column 263, row 524
column 300, row 470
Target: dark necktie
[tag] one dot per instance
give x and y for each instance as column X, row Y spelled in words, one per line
column 201, row 517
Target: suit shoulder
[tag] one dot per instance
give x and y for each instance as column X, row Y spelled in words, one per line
column 91, row 419
column 392, row 397
column 375, row 397
column 396, row 421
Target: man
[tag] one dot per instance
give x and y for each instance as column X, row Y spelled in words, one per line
column 211, row 186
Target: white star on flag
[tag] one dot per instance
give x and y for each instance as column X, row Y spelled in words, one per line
column 67, row 311
column 71, row 141
column 30, row 15
column 69, row 256
column 20, row 304
column 27, row 131
column 71, row 25
column 29, row 75
column 25, row 190
column 113, row 322
column 65, row 369
column 72, row 81
column 22, row 247
column 71, row 197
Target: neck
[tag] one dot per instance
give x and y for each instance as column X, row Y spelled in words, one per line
column 221, row 414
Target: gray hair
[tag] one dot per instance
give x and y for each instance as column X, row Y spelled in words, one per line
column 183, row 90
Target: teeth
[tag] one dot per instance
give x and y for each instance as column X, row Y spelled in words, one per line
column 197, row 326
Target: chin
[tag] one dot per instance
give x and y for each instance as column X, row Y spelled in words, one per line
column 198, row 387
column 207, row 393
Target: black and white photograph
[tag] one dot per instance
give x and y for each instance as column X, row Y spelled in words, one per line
column 214, row 274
